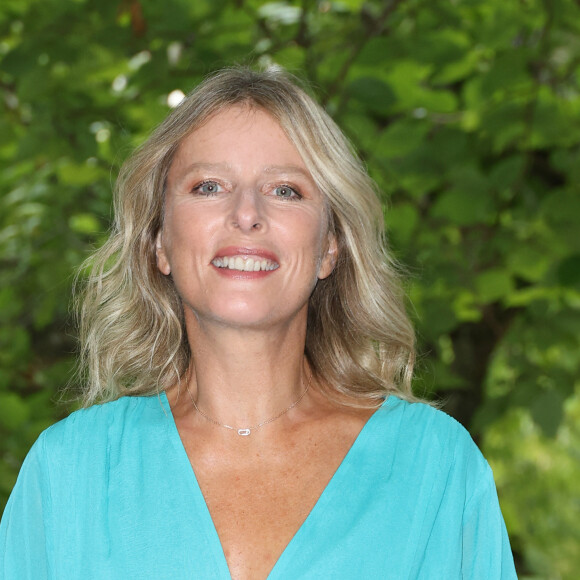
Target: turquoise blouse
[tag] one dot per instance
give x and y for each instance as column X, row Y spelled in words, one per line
column 109, row 493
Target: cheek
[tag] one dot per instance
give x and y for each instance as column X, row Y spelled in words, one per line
column 313, row 244
column 185, row 242
column 302, row 235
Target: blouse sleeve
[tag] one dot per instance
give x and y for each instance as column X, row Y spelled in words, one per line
column 23, row 546
column 486, row 548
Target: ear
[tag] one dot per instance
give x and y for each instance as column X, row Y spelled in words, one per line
column 162, row 261
column 329, row 259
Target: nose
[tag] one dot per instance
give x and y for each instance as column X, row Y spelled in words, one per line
column 248, row 212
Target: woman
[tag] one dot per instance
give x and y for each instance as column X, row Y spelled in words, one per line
column 245, row 331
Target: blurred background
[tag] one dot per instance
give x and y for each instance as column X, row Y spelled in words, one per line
column 467, row 113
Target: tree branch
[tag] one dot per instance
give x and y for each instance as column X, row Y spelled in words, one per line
column 375, row 29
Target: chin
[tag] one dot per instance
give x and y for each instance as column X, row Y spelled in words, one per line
column 254, row 313
column 244, row 316
column 255, row 320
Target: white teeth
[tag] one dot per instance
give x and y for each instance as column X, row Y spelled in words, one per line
column 243, row 264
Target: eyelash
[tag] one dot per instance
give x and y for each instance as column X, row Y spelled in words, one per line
column 197, row 188
column 296, row 195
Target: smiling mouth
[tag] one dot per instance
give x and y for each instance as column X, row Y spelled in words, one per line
column 244, row 264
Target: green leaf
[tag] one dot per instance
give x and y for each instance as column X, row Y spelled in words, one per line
column 70, row 173
column 438, row 317
column 402, row 137
column 506, row 171
column 401, row 222
column 493, row 285
column 555, row 121
column 84, row 223
column 466, row 307
column 463, row 207
column 509, row 71
column 528, row 262
column 547, row 411
column 373, row 93
column 13, row 411
column 569, row 271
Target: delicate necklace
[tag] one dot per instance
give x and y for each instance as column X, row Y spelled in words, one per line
column 245, row 431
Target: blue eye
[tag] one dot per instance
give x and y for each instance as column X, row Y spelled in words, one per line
column 286, row 192
column 207, row 188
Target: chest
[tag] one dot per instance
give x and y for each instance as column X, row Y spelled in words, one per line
column 145, row 515
column 259, row 501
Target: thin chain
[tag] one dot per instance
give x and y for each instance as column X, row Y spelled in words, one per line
column 245, row 431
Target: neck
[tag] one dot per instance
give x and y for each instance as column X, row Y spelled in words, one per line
column 243, row 378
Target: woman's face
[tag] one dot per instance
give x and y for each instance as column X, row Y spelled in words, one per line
column 244, row 234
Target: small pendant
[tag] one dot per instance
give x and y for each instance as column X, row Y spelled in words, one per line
column 244, row 432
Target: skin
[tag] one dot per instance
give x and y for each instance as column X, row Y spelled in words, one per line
column 238, row 186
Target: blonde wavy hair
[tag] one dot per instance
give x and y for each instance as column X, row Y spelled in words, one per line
column 359, row 343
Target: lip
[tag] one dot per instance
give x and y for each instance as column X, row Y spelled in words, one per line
column 246, row 252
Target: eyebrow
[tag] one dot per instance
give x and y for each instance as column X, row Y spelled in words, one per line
column 269, row 170
column 207, row 166
column 203, row 166
column 288, row 169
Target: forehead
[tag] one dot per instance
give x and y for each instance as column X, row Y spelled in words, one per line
column 237, row 134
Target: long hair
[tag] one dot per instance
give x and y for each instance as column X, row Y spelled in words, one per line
column 359, row 340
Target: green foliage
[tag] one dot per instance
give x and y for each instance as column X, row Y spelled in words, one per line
column 467, row 114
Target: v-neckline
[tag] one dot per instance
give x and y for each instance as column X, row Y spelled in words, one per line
column 323, row 499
